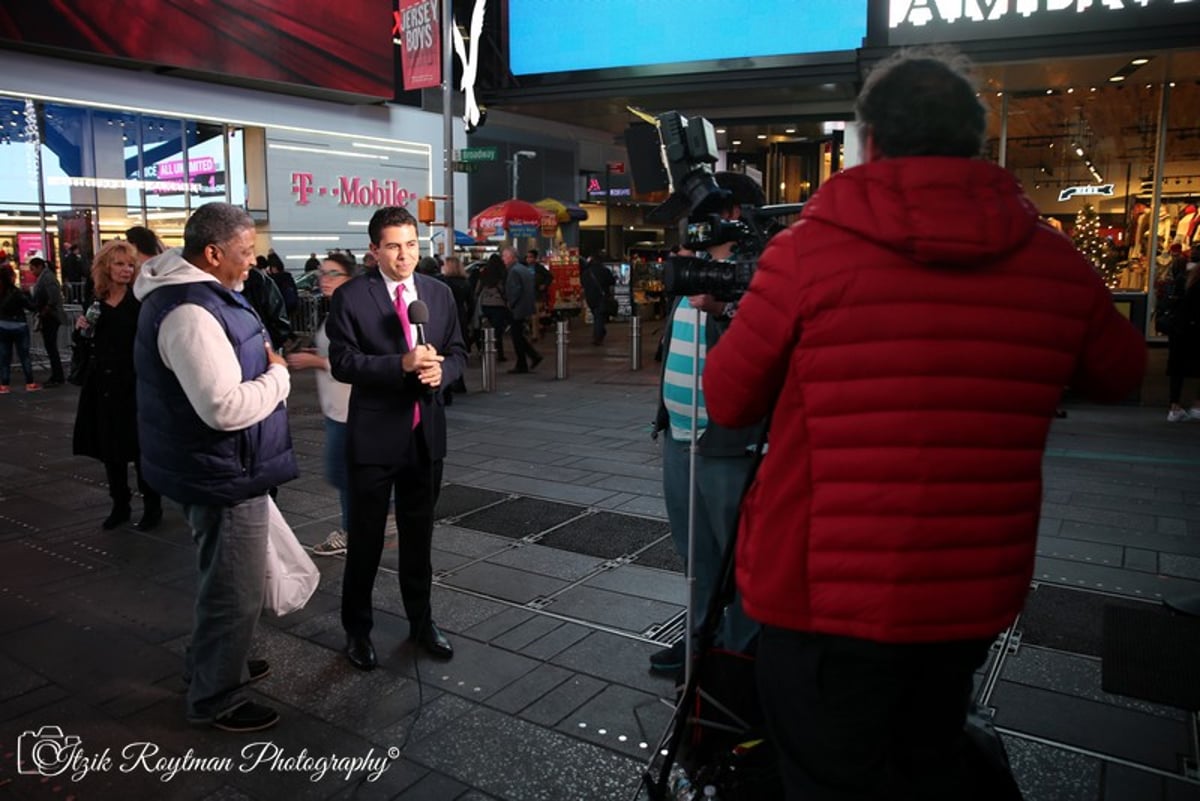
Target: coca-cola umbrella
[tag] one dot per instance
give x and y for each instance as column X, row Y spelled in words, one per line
column 516, row 218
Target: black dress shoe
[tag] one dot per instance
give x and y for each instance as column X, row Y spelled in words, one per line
column 151, row 517
column 118, row 515
column 430, row 638
column 360, row 652
column 534, row 362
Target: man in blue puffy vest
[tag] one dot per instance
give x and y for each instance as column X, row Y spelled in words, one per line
column 214, row 435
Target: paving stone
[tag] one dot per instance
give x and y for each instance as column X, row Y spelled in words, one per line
column 615, row 659
column 547, row 561
column 1171, row 564
column 1066, row 619
column 528, row 689
column 1109, row 579
column 1072, row 674
column 622, row 719
column 1046, row 773
column 1122, row 783
column 662, row 555
column 455, row 500
column 644, row 582
column 543, row 489
column 520, row 517
column 1144, row 739
column 1141, row 559
column 625, row 612
column 606, row 535
column 495, row 626
column 535, row 628
column 556, row 641
column 1080, row 550
column 433, row 786
column 511, row 758
column 468, row 543
column 498, row 581
column 555, row 705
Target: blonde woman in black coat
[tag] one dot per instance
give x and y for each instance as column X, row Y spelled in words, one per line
column 106, row 421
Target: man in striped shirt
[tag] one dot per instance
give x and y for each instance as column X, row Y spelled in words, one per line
column 723, row 455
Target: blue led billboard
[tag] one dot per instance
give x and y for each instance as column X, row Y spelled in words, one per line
column 569, row 35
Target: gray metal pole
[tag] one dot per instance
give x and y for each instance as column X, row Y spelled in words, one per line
column 448, row 120
column 561, row 340
column 635, row 343
column 1153, row 248
column 489, row 358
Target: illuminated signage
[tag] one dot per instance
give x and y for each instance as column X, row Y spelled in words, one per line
column 925, row 21
column 351, row 191
column 595, row 188
column 168, row 170
column 1079, row 191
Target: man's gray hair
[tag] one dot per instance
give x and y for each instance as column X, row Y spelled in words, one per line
column 213, row 224
column 923, row 102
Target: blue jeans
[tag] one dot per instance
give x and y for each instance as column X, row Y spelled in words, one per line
column 14, row 335
column 719, row 481
column 231, row 544
column 336, row 470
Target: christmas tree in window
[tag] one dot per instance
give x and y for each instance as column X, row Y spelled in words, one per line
column 1087, row 239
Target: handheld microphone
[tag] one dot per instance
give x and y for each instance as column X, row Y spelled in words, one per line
column 418, row 315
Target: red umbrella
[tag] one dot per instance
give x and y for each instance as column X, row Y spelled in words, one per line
column 516, row 217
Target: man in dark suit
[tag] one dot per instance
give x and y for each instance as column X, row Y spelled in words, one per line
column 396, row 428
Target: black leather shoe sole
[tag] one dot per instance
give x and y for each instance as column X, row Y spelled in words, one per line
column 246, row 718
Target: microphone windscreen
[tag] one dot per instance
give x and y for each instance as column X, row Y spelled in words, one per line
column 418, row 312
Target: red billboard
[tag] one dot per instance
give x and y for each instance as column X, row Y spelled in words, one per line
column 419, row 33
column 344, row 46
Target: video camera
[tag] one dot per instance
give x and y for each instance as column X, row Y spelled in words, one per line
column 677, row 154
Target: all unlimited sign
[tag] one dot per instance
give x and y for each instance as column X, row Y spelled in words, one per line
column 350, row 190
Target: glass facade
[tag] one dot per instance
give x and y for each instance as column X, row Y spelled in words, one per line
column 74, row 175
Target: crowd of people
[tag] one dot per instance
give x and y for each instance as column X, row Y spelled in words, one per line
column 906, row 386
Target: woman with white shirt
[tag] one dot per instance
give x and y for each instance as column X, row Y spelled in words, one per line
column 336, row 269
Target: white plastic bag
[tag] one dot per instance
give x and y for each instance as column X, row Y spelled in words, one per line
column 291, row 575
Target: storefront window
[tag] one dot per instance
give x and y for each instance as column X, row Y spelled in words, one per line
column 19, row 211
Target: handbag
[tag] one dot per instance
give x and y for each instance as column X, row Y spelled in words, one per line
column 81, row 358
column 291, row 575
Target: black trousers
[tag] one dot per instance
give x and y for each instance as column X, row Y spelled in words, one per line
column 415, row 482
column 50, row 341
column 855, row 720
column 117, row 474
column 525, row 351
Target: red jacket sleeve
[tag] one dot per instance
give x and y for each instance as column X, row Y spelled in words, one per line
column 745, row 370
column 1113, row 361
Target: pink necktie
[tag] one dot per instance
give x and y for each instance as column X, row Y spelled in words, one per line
column 402, row 312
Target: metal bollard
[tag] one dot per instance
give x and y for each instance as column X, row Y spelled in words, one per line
column 635, row 343
column 489, row 359
column 561, row 339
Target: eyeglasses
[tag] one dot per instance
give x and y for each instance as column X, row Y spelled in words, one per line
column 333, row 274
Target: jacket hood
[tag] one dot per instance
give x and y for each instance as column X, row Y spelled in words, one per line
column 167, row 269
column 932, row 209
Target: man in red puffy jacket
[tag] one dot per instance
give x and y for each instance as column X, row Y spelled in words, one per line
column 914, row 331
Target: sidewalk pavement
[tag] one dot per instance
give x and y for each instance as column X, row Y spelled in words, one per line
column 555, row 578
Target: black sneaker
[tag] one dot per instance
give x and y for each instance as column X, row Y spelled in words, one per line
column 668, row 661
column 247, row 717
